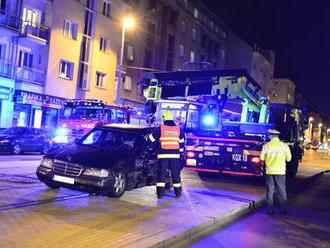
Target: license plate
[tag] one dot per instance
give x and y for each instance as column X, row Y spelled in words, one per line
column 239, row 157
column 63, row 179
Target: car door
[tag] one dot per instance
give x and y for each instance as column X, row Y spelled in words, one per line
column 28, row 140
column 39, row 139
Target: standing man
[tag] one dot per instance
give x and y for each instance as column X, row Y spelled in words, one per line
column 170, row 141
column 275, row 154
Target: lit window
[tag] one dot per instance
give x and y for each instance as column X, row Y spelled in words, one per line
column 100, row 79
column 70, row 30
column 193, row 34
column 192, row 56
column 83, row 76
column 104, row 44
column 130, row 53
column 25, row 59
column 66, row 70
column 106, row 10
column 128, row 83
column 223, row 54
column 181, row 51
column 195, row 13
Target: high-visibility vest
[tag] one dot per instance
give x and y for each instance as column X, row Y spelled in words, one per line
column 169, row 137
column 275, row 154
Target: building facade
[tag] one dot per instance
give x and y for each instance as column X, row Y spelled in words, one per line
column 51, row 51
column 283, row 91
column 54, row 50
column 258, row 62
column 171, row 35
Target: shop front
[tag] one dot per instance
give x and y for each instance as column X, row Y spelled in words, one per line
column 6, row 106
column 36, row 110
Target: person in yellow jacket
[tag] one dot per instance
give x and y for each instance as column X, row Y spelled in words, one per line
column 275, row 154
column 170, row 141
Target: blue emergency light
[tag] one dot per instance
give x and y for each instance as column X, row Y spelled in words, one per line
column 208, row 120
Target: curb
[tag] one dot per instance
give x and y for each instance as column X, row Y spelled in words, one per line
column 215, row 224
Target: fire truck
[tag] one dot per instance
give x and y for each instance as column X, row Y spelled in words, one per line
column 79, row 116
column 226, row 119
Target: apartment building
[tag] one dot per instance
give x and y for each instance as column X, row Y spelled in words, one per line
column 258, row 62
column 170, row 35
column 283, row 91
column 52, row 51
column 24, row 39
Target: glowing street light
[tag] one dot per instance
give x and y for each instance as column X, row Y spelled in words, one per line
column 127, row 23
column 320, row 125
column 311, row 119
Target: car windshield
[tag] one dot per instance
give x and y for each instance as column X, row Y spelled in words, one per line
column 14, row 130
column 82, row 113
column 108, row 138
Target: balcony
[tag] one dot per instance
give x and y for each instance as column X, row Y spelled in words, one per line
column 31, row 75
column 9, row 20
column 7, row 69
column 37, row 33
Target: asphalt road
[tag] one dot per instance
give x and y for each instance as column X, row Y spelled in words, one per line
column 82, row 220
column 306, row 225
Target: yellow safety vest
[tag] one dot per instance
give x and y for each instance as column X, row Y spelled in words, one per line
column 275, row 154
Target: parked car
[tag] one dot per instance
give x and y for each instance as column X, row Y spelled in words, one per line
column 17, row 140
column 109, row 159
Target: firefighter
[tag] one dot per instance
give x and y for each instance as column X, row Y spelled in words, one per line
column 170, row 141
column 275, row 154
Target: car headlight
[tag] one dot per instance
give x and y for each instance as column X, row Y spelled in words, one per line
column 61, row 139
column 4, row 141
column 47, row 162
column 94, row 172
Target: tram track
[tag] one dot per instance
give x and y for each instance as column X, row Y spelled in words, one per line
column 39, row 202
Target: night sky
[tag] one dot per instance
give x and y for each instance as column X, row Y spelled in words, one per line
column 299, row 33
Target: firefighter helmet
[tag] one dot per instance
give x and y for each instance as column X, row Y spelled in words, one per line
column 168, row 115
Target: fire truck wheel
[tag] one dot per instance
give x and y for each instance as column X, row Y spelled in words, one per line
column 118, row 185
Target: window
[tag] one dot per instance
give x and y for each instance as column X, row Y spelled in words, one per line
column 195, row 13
column 83, row 76
column 88, row 22
column 104, row 45
column 183, row 27
column 100, row 79
column 181, row 51
column 25, row 59
column 70, row 30
column 128, row 83
column 130, row 53
column 2, row 51
column 186, row 4
column 192, row 56
column 223, row 54
column 31, row 17
column 66, row 70
column 106, row 10
column 193, row 34
column 85, row 48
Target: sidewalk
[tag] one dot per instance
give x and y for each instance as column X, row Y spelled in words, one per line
column 138, row 219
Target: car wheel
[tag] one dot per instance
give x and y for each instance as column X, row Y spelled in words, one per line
column 118, row 184
column 16, row 149
column 52, row 186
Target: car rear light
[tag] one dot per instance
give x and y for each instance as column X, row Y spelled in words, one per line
column 190, row 154
column 255, row 160
column 191, row 162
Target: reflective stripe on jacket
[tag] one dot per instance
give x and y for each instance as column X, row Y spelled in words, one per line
column 169, row 137
column 275, row 154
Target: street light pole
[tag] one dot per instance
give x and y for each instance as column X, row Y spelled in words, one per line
column 120, row 68
column 127, row 23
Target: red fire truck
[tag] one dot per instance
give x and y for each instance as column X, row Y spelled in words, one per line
column 79, row 116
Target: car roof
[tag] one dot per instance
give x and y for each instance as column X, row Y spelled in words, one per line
column 126, row 127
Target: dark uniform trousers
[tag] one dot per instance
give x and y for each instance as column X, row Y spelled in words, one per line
column 173, row 164
column 276, row 183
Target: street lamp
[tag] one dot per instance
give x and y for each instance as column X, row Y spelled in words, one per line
column 127, row 23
